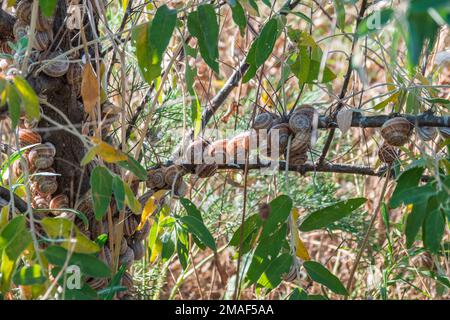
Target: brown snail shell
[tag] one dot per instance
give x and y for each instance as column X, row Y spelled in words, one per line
column 23, row 11
column 307, row 110
column 396, row 131
column 20, row 30
column 301, row 142
column 155, row 179
column 298, row 159
column 57, row 66
column 300, row 122
column 28, row 137
column 387, row 153
column 127, row 258
column 138, row 249
column 263, row 121
column 205, row 170
column 40, row 202
column 43, row 23
column 130, row 225
column 284, row 132
column 97, row 283
column 74, row 74
column 181, row 189
column 59, row 201
column 127, row 281
column 427, row 133
column 218, row 151
column 140, row 235
column 445, row 132
column 42, row 155
column 123, row 246
column 291, row 275
column 28, row 124
column 42, row 40
column 194, row 151
column 173, row 175
column 45, row 185
column 238, row 145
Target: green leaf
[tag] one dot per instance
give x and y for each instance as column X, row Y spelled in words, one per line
column 325, row 216
column 101, row 184
column 196, row 227
column 13, row 105
column 196, row 115
column 182, row 247
column 251, row 225
column 48, row 7
column 320, row 274
column 433, row 230
column 29, row 276
column 131, row 200
column 280, row 208
column 407, row 181
column 238, row 15
column 89, row 265
column 374, row 22
column 340, row 13
column 132, row 165
column 15, row 237
column 30, row 100
column 119, row 192
column 191, row 209
column 298, row 294
column 272, row 276
column 203, row 25
column 414, row 221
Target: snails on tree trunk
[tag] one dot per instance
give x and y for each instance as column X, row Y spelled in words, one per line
column 28, row 137
column 42, row 156
column 155, row 179
column 396, row 131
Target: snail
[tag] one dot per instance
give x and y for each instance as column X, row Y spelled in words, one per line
column 264, row 211
column 28, row 123
column 28, row 137
column 140, row 235
column 155, row 179
column 40, row 202
column 387, row 153
column 106, row 256
column 173, row 175
column 127, row 258
column 291, row 275
column 427, row 133
column 74, row 74
column 445, row 132
column 298, row 159
column 205, row 170
column 396, row 131
column 42, row 40
column 57, row 66
column 181, row 189
column 238, row 145
column 129, row 225
column 43, row 23
column 283, row 130
column 59, row 201
column 42, row 155
column 20, row 30
column 307, row 110
column 138, row 249
column 23, row 11
column 97, row 283
column 43, row 183
column 127, row 282
column 301, row 142
column 300, row 122
column 218, row 151
column 194, row 151
column 263, row 121
column 123, row 246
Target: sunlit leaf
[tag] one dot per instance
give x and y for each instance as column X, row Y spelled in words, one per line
column 320, row 274
column 101, row 185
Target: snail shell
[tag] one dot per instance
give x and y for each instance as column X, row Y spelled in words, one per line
column 28, row 137
column 127, row 281
column 23, row 11
column 123, row 246
column 300, row 122
column 59, row 201
column 40, row 202
column 298, row 159
column 291, row 275
column 307, row 110
column 263, row 121
column 205, row 170
column 238, row 145
column 427, row 133
column 301, row 142
column 138, row 249
column 57, row 66
column 127, row 258
column 42, row 40
column 194, row 151
column 45, row 185
column 173, row 175
column 129, row 225
column 74, row 74
column 155, row 179
column 97, row 283
column 284, row 132
column 387, row 153
column 42, row 155
column 445, row 132
column 396, row 131
column 28, row 124
column 140, row 235
column 181, row 189
column 20, row 30
column 43, row 23
column 218, row 151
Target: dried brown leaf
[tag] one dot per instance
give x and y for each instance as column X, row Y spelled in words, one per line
column 89, row 88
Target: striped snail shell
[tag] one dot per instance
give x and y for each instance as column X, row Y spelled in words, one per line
column 17, row 169
column 74, row 74
column 138, row 249
column 427, row 133
column 298, row 159
column 194, row 151
column 301, row 142
column 43, row 23
column 300, row 122
column 445, row 132
column 123, row 246
column 20, row 30
column 238, row 145
column 42, row 155
column 40, row 202
column 263, row 121
column 129, row 225
column 206, row 170
column 284, row 131
column 44, row 184
column 57, row 66
column 127, row 258
column 181, row 189
column 106, row 256
column 42, row 40
column 396, row 131
column 218, row 151
column 97, row 283
column 173, row 175
column 23, row 11
column 140, row 235
column 155, row 179
column 28, row 123
column 307, row 110
column 127, row 281
column 59, row 201
column 291, row 275
column 387, row 153
column 28, row 137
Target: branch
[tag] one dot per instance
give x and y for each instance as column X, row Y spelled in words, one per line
column 6, row 25
column 5, row 195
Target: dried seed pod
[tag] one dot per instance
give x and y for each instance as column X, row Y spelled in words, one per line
column 445, row 132
column 291, row 276
column 127, row 258
column 129, row 225
column 138, row 249
column 20, row 30
column 298, row 159
column 44, row 184
column 194, row 151
column 307, row 110
column 42, row 40
column 59, row 201
column 156, row 179
column 387, row 153
column 264, row 211
column 28, row 137
column 301, row 142
column 300, row 122
column 173, row 175
column 57, row 66
column 283, row 130
column 263, row 121
column 427, row 133
column 396, row 131
column 205, row 170
column 23, row 11
column 218, row 151
column 43, row 23
column 42, row 155
column 74, row 74
column 140, row 235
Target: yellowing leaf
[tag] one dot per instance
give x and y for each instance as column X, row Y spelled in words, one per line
column 109, row 153
column 300, row 249
column 89, row 88
column 151, row 206
column 131, row 200
column 156, row 250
